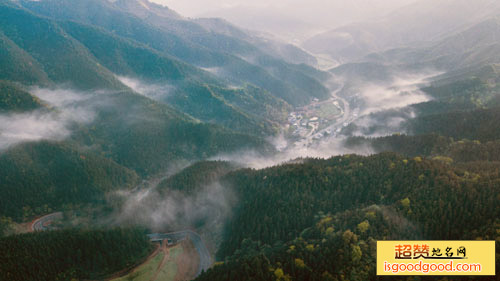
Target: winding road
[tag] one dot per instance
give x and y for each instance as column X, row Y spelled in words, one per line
column 205, row 259
column 346, row 116
column 40, row 224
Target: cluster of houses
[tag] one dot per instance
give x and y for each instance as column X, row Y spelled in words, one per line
column 301, row 124
column 306, row 121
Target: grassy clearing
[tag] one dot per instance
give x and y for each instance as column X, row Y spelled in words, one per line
column 145, row 272
column 169, row 270
column 327, row 110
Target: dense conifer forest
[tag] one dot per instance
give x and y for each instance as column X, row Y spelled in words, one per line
column 320, row 220
column 117, row 112
column 71, row 254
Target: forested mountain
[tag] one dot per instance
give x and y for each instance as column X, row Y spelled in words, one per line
column 230, row 58
column 460, row 123
column 320, row 220
column 14, row 98
column 464, row 93
column 103, row 104
column 227, row 37
column 36, row 178
column 413, row 25
column 458, row 101
column 190, row 179
column 112, row 55
column 459, row 59
column 149, row 136
column 479, row 125
column 474, row 46
column 111, row 132
column 30, row 34
column 71, row 254
column 18, row 65
column 97, row 55
column 435, row 146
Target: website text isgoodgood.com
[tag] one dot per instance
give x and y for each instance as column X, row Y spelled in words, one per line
column 431, row 267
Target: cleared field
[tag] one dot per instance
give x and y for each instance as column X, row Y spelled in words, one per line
column 169, row 270
column 327, row 110
column 144, row 272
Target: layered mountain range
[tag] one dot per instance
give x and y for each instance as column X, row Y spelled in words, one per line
column 111, row 112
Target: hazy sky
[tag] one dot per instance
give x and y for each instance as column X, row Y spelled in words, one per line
column 316, row 12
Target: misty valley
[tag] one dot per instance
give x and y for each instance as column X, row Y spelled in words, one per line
column 139, row 143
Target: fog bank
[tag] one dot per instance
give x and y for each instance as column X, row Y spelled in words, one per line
column 65, row 108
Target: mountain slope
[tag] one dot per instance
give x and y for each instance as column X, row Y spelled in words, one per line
column 88, row 254
column 267, row 44
column 412, row 25
column 38, row 177
column 233, row 57
column 148, row 136
column 97, row 55
column 187, row 83
column 17, row 65
column 15, row 99
column 473, row 47
column 73, row 63
column 133, row 130
column 319, row 220
column 215, row 33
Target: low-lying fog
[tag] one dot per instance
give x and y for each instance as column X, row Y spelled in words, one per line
column 369, row 98
column 207, row 208
column 211, row 205
column 64, row 108
column 157, row 92
column 401, row 92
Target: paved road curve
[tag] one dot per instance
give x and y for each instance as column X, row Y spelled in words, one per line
column 205, row 259
column 41, row 223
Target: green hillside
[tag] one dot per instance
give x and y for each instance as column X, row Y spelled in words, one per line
column 320, row 220
column 148, row 136
column 190, row 93
column 131, row 134
column 71, row 254
column 13, row 98
column 36, row 178
column 73, row 63
column 125, row 93
column 190, row 179
column 481, row 124
column 250, row 110
column 190, row 43
column 97, row 55
column 18, row 65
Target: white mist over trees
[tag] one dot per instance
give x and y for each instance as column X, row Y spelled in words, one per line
column 290, row 135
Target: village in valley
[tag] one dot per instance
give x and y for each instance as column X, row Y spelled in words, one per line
column 318, row 119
